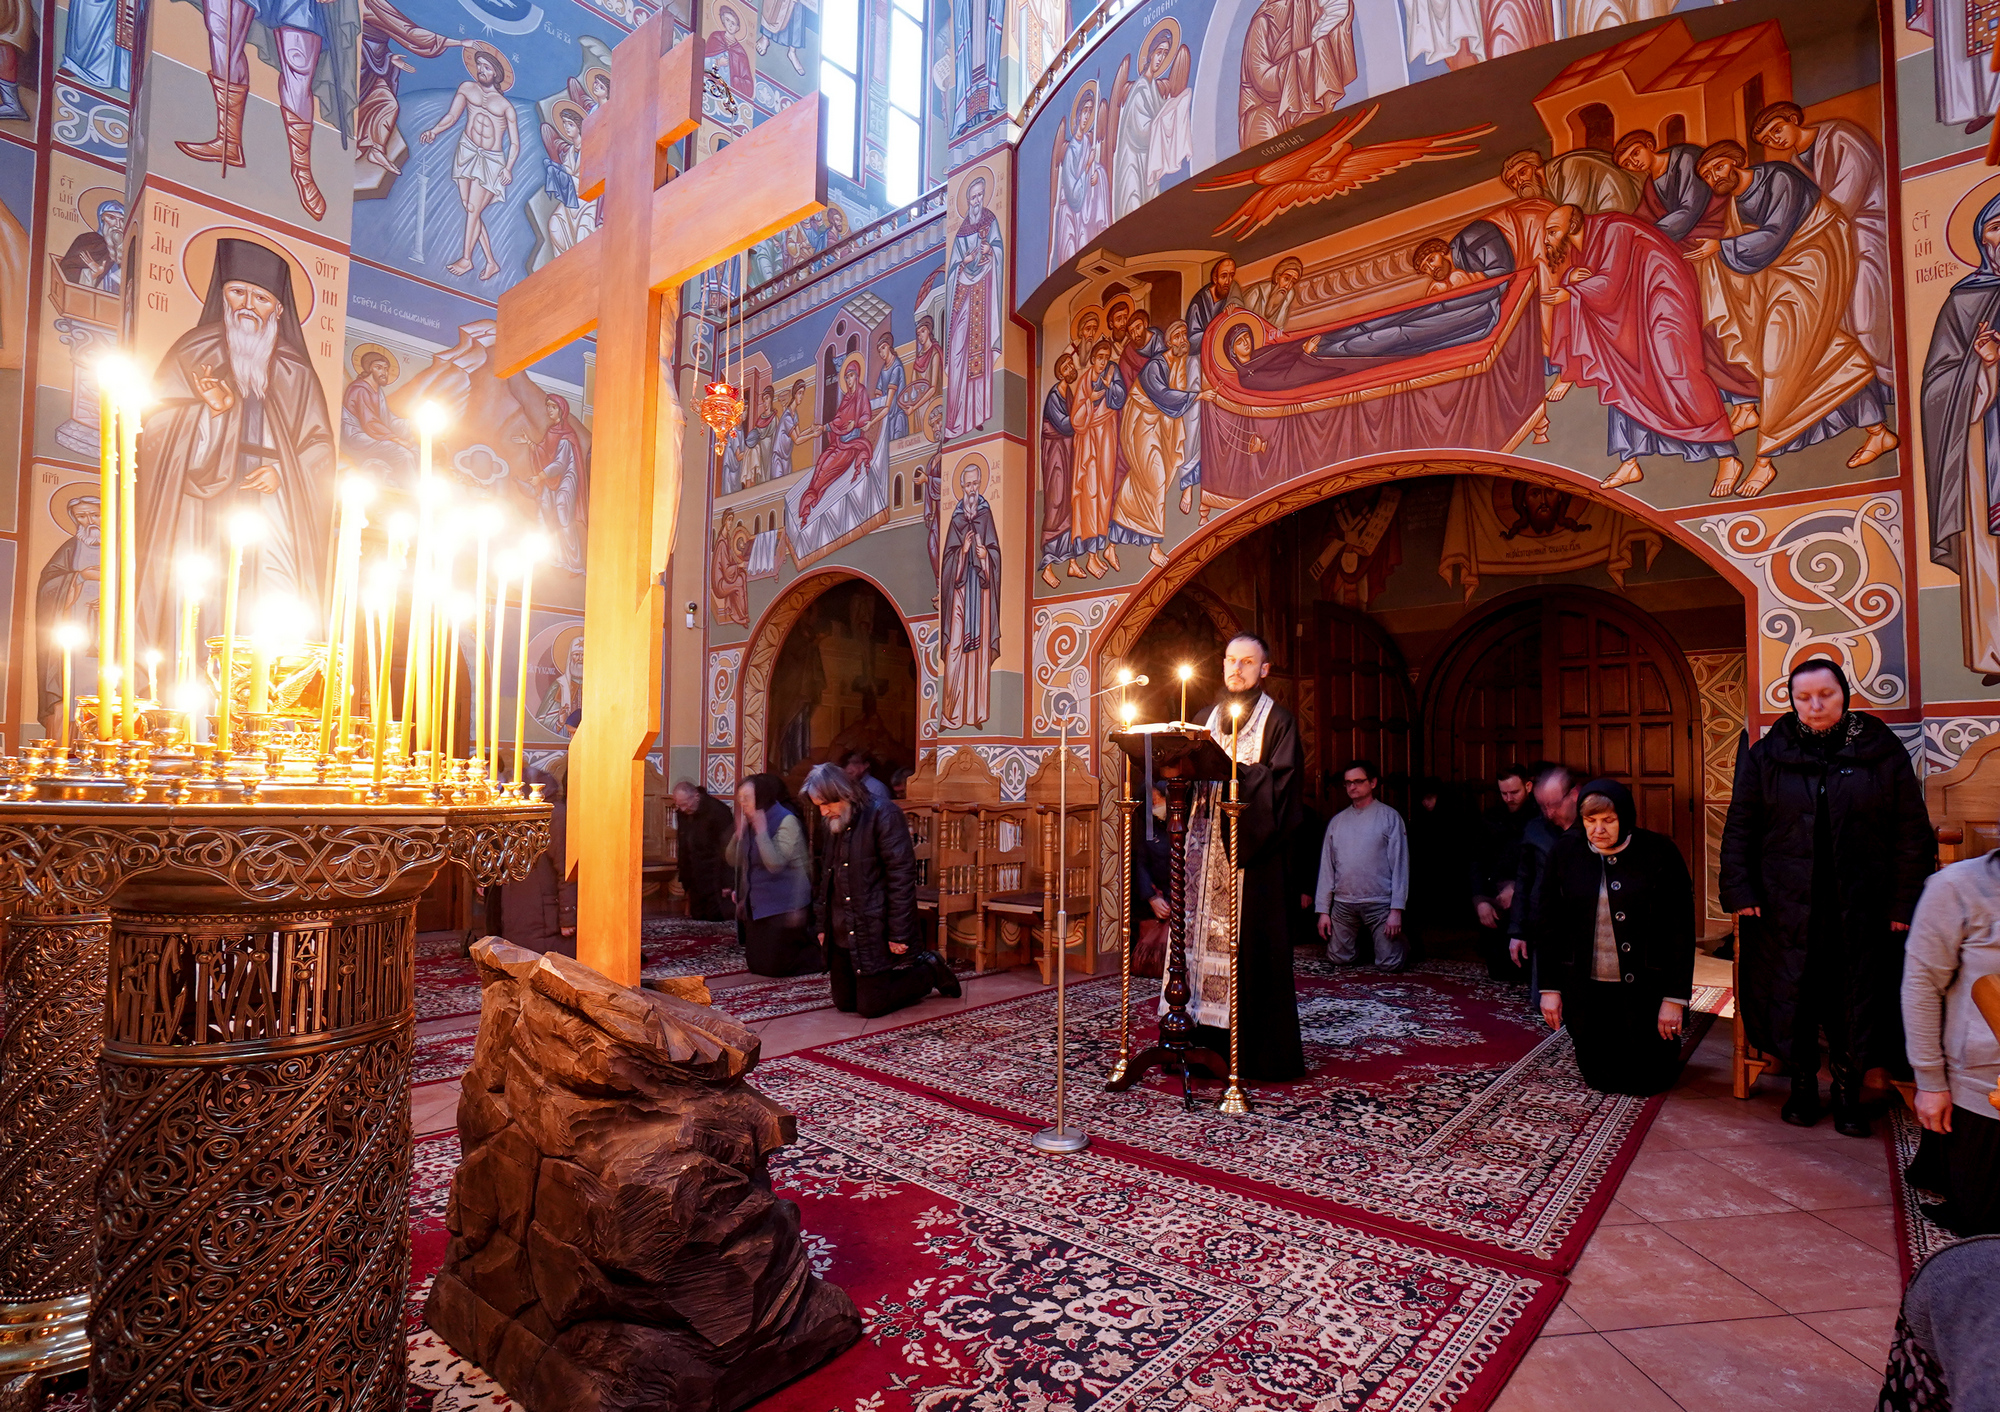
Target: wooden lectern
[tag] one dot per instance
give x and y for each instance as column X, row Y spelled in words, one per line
column 1182, row 757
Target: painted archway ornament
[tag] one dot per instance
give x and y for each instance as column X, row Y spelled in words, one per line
column 1829, row 579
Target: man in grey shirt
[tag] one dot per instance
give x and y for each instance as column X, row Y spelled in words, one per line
column 1954, row 941
column 1364, row 874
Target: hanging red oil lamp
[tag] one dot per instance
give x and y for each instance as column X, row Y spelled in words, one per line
column 721, row 405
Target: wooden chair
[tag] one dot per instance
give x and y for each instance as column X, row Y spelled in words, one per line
column 955, row 794
column 1067, row 885
column 954, row 869
column 1964, row 802
column 922, row 830
column 1747, row 1061
column 1010, row 881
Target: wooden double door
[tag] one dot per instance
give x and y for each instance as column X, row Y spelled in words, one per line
column 1578, row 677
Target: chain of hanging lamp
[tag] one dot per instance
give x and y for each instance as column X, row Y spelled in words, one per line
column 721, row 402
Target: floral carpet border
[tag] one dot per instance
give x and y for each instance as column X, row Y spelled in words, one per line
column 1614, row 1145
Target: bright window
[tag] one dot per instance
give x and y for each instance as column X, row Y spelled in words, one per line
column 904, row 176
column 840, row 81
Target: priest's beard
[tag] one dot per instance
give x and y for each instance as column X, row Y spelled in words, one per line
column 1246, row 699
column 250, row 341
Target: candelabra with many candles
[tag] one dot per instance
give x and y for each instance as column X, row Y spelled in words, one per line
column 210, row 895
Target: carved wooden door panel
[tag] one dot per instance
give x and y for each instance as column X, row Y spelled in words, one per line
column 1617, row 703
column 1364, row 702
column 1487, row 711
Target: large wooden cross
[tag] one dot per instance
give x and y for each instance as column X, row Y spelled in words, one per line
column 653, row 235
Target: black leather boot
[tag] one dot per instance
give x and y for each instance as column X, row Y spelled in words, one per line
column 1849, row 1118
column 1802, row 1109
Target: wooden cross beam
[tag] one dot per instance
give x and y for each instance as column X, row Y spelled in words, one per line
column 653, row 235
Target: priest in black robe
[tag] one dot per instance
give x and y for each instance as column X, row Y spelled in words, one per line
column 1269, row 783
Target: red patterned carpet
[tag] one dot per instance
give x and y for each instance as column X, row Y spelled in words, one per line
column 1917, row 1236
column 448, row 984
column 991, row 1278
column 1436, row 1109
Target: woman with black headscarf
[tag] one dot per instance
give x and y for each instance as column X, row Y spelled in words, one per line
column 1824, row 854
column 1615, row 942
column 773, row 881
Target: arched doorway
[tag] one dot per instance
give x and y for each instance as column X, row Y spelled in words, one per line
column 1576, row 675
column 1682, row 605
column 830, row 669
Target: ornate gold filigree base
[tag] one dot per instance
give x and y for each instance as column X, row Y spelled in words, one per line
column 252, row 990
column 51, row 1143
column 48, row 1336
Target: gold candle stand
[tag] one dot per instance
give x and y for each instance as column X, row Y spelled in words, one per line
column 236, row 932
column 1125, row 808
column 1234, row 1101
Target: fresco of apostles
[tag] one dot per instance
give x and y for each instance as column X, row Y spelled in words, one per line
column 1761, row 288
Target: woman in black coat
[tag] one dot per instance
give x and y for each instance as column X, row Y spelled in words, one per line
column 1824, row 854
column 1616, row 945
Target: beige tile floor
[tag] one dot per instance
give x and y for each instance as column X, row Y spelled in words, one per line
column 1743, row 1263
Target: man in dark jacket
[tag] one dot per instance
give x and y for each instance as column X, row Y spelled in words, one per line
column 704, row 827
column 865, row 902
column 1824, row 854
column 1555, row 815
column 1495, row 868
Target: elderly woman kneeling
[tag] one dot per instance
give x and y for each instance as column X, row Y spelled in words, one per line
column 1616, row 945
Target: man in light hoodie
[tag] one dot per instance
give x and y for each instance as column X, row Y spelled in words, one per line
column 1954, row 941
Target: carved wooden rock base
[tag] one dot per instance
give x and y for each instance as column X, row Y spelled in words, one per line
column 253, row 1239
column 616, row 1244
column 51, row 1140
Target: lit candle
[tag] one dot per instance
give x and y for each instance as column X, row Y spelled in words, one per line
column 68, row 637
column 456, row 615
column 1235, row 724
column 355, row 493
column 441, row 674
column 504, row 569
column 113, row 373
column 133, row 397
column 193, row 572
column 486, row 522
column 531, row 550
column 152, row 660
column 1129, row 713
column 189, row 698
column 107, row 691
column 261, row 648
column 246, row 527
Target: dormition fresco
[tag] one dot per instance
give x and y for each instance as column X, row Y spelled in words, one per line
column 1257, row 69
column 1378, row 281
